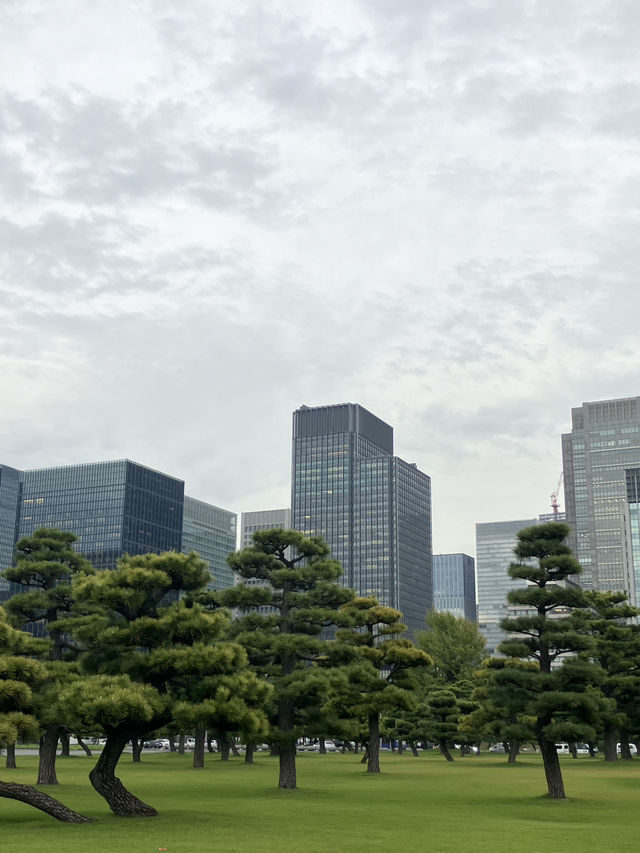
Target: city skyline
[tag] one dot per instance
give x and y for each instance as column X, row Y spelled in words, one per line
column 216, row 213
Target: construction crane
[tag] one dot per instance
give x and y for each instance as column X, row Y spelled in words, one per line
column 554, row 495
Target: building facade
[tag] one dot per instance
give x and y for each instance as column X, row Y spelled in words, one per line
column 373, row 509
column 495, row 542
column 454, row 585
column 603, row 444
column 267, row 519
column 114, row 508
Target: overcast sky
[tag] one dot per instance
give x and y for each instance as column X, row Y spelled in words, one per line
column 215, row 211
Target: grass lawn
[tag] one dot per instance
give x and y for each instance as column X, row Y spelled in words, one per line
column 477, row 804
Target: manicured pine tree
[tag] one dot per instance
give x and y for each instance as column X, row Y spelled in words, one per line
column 379, row 678
column 557, row 695
column 20, row 673
column 45, row 566
column 149, row 660
column 288, row 595
column 443, row 712
column 611, row 621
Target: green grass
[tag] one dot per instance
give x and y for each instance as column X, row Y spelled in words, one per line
column 477, row 804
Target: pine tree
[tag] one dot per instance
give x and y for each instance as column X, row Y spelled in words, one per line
column 289, row 595
column 559, row 695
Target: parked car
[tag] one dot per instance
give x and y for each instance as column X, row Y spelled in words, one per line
column 155, row 744
column 562, row 748
column 497, row 747
column 632, row 749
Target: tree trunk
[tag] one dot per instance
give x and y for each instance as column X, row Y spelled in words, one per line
column 287, row 766
column 373, row 764
column 552, row 769
column 444, row 750
column 514, row 751
column 414, row 749
column 172, row 743
column 136, row 749
column 198, row 749
column 249, row 752
column 610, row 740
column 625, row 751
column 573, row 749
column 181, row 743
column 592, row 752
column 209, row 744
column 40, row 800
column 47, row 760
column 365, row 756
column 107, row 784
column 64, row 744
column 81, row 743
column 10, row 763
column 223, row 743
column 234, row 748
column 323, row 746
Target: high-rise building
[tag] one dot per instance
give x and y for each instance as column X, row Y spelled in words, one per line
column 373, row 509
column 495, row 542
column 266, row 519
column 454, row 585
column 210, row 532
column 114, row 508
column 603, row 443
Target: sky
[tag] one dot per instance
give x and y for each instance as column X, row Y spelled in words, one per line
column 215, row 212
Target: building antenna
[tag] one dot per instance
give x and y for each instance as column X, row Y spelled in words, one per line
column 554, row 497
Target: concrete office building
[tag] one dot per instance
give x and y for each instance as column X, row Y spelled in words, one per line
column 373, row 509
column 603, row 444
column 267, row 519
column 113, row 508
column 454, row 585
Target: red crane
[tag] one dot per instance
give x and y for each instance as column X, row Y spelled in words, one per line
column 554, row 495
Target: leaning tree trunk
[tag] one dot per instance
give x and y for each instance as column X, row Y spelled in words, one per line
column 198, row 749
column 249, row 752
column 106, row 783
column 234, row 749
column 373, row 764
column 414, row 749
column 81, row 743
column 10, row 763
column 40, row 800
column 552, row 769
column 514, row 750
column 47, row 760
column 610, row 740
column 209, row 744
column 625, row 749
column 444, row 750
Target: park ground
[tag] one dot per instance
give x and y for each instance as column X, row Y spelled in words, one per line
column 477, row 804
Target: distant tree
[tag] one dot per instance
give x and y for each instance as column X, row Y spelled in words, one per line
column 443, row 712
column 288, row 595
column 45, row 566
column 149, row 662
column 20, row 672
column 558, row 695
column 454, row 643
column 379, row 678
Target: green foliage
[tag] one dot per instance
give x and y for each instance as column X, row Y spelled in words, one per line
column 455, row 644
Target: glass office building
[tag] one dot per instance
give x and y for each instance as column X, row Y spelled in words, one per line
column 9, row 499
column 211, row 533
column 604, row 441
column 495, row 542
column 454, row 585
column 266, row 519
column 114, row 508
column 373, row 509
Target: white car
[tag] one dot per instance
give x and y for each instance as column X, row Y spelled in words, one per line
column 632, row 749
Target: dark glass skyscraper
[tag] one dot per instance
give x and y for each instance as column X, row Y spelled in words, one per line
column 114, row 508
column 454, row 585
column 373, row 509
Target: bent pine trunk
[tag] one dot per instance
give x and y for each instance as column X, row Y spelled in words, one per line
column 552, row 770
column 121, row 802
column 43, row 802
